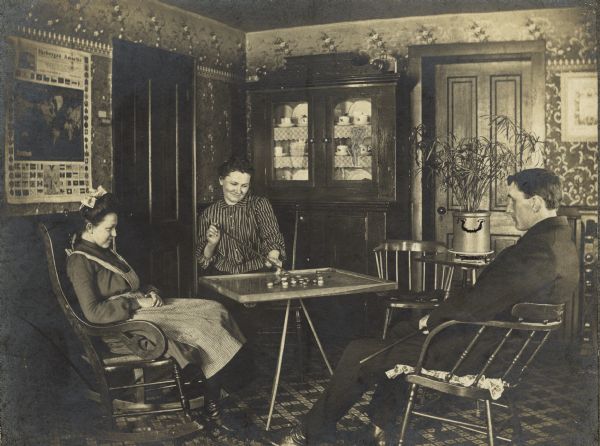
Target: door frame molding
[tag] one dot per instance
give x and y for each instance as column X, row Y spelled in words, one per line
column 422, row 60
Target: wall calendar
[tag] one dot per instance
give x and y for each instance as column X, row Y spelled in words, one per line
column 48, row 124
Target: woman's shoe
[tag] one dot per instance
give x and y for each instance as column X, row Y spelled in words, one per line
column 212, row 410
column 378, row 436
column 221, row 420
column 295, row 437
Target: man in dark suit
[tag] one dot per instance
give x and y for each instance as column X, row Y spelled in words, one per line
column 542, row 267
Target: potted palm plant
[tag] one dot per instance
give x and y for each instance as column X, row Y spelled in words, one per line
column 468, row 167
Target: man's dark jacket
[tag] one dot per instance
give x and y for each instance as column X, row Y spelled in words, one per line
column 542, row 267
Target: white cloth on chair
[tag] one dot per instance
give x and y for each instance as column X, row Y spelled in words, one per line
column 495, row 386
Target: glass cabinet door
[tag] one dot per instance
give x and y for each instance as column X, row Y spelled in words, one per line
column 289, row 148
column 352, row 144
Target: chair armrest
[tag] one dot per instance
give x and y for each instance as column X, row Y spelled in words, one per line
column 538, row 312
column 521, row 325
column 145, row 339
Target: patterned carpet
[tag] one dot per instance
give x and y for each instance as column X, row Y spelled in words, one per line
column 559, row 407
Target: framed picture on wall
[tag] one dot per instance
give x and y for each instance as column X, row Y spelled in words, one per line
column 579, row 103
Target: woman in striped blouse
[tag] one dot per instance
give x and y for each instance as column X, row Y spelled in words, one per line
column 231, row 234
column 248, row 218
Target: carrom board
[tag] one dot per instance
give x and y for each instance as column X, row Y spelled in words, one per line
column 252, row 288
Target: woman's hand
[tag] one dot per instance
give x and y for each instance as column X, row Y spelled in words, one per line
column 152, row 299
column 145, row 302
column 158, row 302
column 273, row 259
column 213, row 235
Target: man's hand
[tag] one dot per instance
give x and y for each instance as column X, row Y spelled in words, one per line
column 423, row 324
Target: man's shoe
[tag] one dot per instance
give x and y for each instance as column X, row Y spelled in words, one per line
column 295, row 437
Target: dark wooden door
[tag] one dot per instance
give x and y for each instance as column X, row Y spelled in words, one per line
column 467, row 94
column 153, row 156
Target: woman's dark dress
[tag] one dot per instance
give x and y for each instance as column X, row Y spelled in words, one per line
column 198, row 330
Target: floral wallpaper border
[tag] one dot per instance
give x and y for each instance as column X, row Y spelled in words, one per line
column 148, row 22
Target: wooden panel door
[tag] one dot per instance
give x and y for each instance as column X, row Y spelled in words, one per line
column 153, row 146
column 467, row 94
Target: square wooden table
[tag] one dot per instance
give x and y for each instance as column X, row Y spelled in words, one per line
column 253, row 288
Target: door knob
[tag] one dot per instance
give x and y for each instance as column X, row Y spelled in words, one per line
column 442, row 210
column 325, row 140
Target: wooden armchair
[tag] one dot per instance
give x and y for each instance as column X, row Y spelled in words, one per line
column 146, row 341
column 510, row 347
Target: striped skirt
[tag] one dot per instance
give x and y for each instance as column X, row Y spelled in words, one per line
column 204, row 325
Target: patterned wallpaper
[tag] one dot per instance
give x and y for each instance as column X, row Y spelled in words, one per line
column 575, row 162
column 218, row 49
column 570, row 43
column 219, row 127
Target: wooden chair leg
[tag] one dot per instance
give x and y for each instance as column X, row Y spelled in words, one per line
column 139, row 378
column 515, row 422
column 365, row 327
column 490, row 424
column 185, row 405
column 386, row 322
column 407, row 411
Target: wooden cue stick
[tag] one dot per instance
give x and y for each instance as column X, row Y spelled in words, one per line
column 387, row 347
column 239, row 242
column 295, row 239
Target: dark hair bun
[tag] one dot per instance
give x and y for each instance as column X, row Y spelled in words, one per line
column 235, row 164
column 106, row 204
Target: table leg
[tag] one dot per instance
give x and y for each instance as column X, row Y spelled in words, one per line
column 314, row 332
column 300, row 349
column 448, row 283
column 279, row 361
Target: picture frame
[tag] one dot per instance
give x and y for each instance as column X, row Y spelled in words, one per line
column 579, row 103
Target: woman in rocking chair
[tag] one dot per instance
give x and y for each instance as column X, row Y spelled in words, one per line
column 202, row 336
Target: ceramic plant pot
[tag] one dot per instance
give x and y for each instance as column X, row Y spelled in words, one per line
column 471, row 233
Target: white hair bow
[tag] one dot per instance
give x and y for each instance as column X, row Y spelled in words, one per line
column 90, row 201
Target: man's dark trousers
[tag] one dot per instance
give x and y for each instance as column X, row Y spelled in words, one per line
column 351, row 380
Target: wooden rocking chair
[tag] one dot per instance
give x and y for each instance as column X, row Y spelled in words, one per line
column 144, row 356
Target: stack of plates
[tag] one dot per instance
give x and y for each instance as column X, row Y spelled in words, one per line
column 299, row 111
column 360, row 108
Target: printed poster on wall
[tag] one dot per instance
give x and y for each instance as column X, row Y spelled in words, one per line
column 48, row 128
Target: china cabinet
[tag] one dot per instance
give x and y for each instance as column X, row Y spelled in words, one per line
column 325, row 137
column 326, row 143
